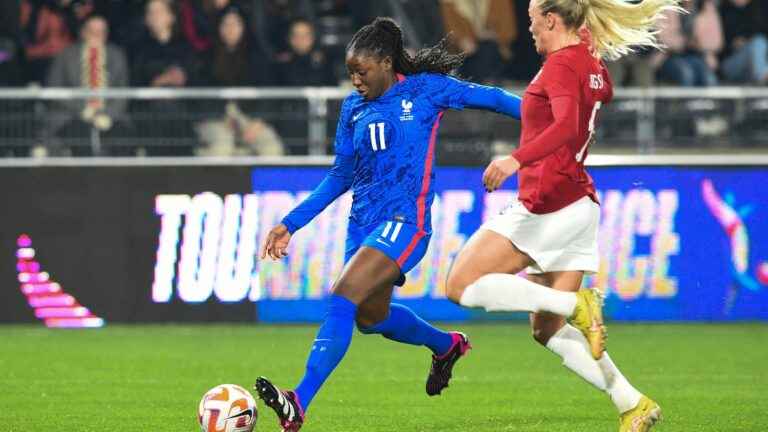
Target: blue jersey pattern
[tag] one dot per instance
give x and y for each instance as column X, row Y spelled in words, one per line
column 392, row 140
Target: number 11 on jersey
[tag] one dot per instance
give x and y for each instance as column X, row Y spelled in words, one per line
column 381, row 143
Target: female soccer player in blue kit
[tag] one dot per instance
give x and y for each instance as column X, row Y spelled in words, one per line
column 385, row 144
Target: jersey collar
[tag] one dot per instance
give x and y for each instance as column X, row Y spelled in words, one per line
column 394, row 89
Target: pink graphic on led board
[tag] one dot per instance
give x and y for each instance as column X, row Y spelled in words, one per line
column 51, row 304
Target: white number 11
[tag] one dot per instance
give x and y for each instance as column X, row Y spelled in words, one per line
column 382, row 145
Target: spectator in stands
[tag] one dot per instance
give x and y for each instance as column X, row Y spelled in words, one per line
column 10, row 19
column 162, row 59
column 11, row 73
column 94, row 64
column 693, row 42
column 199, row 19
column 633, row 70
column 708, row 33
column 527, row 61
column 125, row 19
column 76, row 12
column 363, row 12
column 424, row 22
column 484, row 30
column 271, row 22
column 196, row 25
column 235, row 60
column 745, row 58
column 421, row 20
column 304, row 64
column 235, row 63
column 46, row 33
column 16, row 131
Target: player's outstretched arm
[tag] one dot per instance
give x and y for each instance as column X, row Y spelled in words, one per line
column 493, row 99
column 448, row 92
column 338, row 181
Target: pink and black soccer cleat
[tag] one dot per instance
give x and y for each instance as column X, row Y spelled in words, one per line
column 442, row 367
column 284, row 403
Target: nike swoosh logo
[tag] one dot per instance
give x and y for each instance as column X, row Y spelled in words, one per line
column 357, row 116
column 595, row 326
column 383, row 242
column 248, row 412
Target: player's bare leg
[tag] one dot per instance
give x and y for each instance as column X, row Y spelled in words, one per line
column 368, row 271
column 378, row 315
column 489, row 254
column 375, row 308
column 484, row 253
column 484, row 275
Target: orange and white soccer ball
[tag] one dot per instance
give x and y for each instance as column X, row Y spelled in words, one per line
column 227, row 408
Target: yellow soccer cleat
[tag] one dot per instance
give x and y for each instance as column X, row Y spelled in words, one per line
column 588, row 318
column 640, row 418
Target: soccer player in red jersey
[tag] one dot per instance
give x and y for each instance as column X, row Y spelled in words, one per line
column 551, row 230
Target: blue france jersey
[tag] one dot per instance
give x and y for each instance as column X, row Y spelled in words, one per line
column 392, row 140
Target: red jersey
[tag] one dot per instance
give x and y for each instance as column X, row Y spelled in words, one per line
column 559, row 111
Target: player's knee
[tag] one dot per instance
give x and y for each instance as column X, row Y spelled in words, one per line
column 540, row 336
column 368, row 317
column 349, row 290
column 366, row 325
column 455, row 285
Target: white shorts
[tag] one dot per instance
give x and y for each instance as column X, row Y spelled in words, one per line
column 565, row 240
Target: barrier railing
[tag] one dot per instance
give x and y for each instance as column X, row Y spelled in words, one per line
column 301, row 121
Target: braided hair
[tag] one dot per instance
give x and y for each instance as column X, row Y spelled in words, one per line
column 383, row 37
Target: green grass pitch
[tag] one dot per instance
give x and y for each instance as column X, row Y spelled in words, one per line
column 150, row 378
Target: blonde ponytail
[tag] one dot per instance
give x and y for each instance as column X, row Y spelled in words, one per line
column 617, row 26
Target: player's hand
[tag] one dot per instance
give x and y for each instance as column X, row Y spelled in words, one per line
column 498, row 171
column 276, row 243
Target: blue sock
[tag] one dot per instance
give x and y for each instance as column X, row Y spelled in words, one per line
column 403, row 325
column 329, row 347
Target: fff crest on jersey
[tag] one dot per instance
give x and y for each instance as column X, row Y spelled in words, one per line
column 407, row 114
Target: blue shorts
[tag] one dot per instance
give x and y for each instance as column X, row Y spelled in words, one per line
column 402, row 242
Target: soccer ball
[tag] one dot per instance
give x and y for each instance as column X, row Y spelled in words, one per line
column 227, row 408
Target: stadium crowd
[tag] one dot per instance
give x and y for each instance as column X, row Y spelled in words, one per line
column 232, row 43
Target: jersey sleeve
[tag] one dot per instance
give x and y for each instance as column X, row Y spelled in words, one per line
column 448, row 92
column 343, row 144
column 493, row 99
column 336, row 182
column 562, row 86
